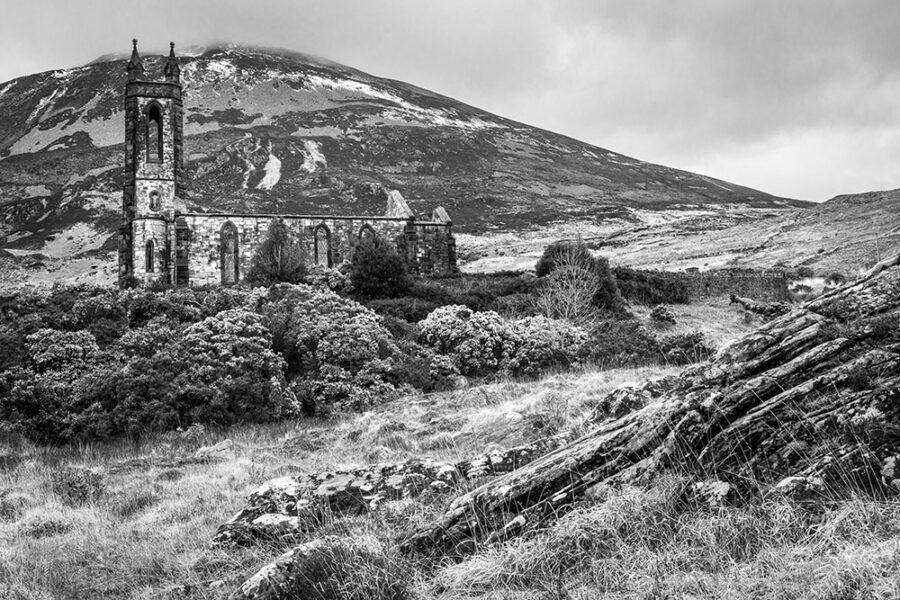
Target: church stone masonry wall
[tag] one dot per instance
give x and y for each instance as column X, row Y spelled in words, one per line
column 430, row 251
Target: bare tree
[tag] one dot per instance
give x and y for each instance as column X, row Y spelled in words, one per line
column 568, row 290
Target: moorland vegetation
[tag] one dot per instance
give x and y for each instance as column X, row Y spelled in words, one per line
column 81, row 363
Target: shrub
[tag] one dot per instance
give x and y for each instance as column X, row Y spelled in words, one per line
column 50, row 349
column 220, row 371
column 614, row 343
column 544, row 344
column 76, row 486
column 335, row 280
column 685, row 348
column 281, row 258
column 651, row 287
column 180, row 305
column 378, row 270
column 338, row 350
column 563, row 252
column 103, row 316
column 421, row 368
column 662, row 315
column 477, row 342
column 568, row 292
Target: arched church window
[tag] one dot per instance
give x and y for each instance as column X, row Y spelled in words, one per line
column 322, row 247
column 154, row 134
column 366, row 232
column 148, row 257
column 229, row 258
column 154, row 200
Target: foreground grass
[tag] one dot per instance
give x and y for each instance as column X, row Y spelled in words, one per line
column 149, row 530
column 146, row 533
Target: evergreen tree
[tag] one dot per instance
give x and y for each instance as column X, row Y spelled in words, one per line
column 279, row 259
column 378, row 270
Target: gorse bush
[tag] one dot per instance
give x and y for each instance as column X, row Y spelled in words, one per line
column 484, row 342
column 336, row 349
column 477, row 342
column 544, row 344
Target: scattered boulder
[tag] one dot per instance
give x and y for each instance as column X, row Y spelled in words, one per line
column 800, row 488
column 328, row 567
column 223, row 450
column 713, row 493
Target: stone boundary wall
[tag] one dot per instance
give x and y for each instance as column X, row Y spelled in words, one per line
column 764, row 287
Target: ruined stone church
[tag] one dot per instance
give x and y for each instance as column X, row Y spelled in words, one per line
column 160, row 244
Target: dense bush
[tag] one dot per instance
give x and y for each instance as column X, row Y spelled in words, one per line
column 651, row 287
column 334, row 279
column 378, row 270
column 544, row 344
column 338, row 350
column 478, row 342
column 484, row 342
column 221, row 370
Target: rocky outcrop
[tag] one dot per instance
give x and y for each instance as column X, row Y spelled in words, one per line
column 280, row 578
column 287, row 506
column 813, row 394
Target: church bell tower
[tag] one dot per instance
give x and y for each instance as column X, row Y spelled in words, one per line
column 153, row 170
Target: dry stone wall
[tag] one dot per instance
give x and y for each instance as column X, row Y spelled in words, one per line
column 766, row 287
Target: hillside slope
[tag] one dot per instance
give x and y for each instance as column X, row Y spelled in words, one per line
column 269, row 130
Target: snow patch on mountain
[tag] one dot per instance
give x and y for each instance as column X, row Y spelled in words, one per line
column 43, row 103
column 272, row 172
column 312, row 156
column 407, row 109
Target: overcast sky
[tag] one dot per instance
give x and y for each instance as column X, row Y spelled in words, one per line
column 799, row 98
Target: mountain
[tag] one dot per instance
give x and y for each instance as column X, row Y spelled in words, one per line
column 271, row 130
